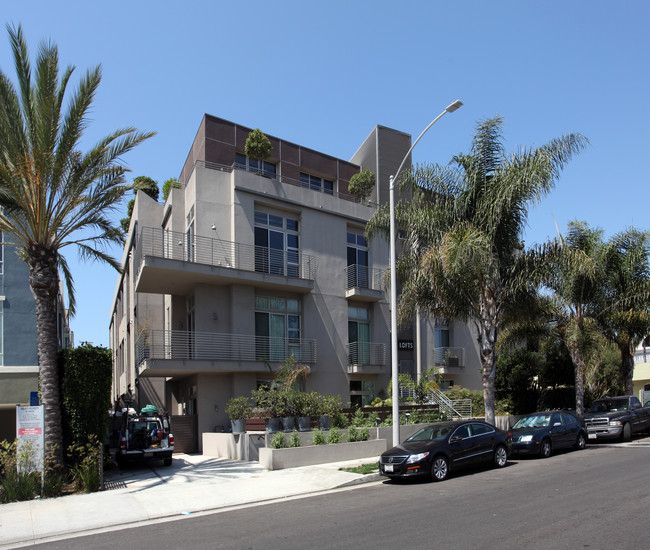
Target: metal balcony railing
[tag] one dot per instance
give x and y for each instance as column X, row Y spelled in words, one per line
column 282, row 179
column 175, row 245
column 449, row 357
column 211, row 346
column 361, row 276
column 366, row 353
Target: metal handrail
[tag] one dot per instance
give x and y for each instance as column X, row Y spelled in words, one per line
column 175, row 245
column 452, row 408
column 366, row 353
column 361, row 276
column 212, row 346
column 282, row 179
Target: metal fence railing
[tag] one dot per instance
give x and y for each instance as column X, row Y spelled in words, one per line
column 175, row 245
column 449, row 357
column 366, row 353
column 361, row 276
column 212, row 346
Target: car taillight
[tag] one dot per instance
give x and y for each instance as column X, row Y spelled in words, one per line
column 123, row 444
column 171, row 440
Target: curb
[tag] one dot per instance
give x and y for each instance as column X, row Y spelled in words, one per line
column 368, row 478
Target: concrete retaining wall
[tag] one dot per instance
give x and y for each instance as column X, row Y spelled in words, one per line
column 277, row 459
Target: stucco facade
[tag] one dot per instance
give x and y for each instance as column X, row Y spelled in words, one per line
column 251, row 263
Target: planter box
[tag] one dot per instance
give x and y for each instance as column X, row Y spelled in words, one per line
column 277, row 459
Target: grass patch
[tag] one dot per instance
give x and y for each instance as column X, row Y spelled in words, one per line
column 364, row 469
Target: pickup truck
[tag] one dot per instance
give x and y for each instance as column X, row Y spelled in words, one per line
column 145, row 437
column 617, row 418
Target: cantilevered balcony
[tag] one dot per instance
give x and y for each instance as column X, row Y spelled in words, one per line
column 179, row 353
column 364, row 284
column 366, row 357
column 449, row 359
column 171, row 262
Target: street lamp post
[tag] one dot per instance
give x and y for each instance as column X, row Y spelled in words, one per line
column 393, row 275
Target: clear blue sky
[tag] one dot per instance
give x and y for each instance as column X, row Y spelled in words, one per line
column 323, row 74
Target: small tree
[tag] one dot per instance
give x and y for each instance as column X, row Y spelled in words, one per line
column 86, row 393
column 258, row 146
column 167, row 187
column 141, row 183
column 361, row 184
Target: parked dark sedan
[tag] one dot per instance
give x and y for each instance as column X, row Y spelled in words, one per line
column 541, row 432
column 440, row 448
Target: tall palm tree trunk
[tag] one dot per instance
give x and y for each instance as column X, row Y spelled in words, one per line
column 627, row 367
column 44, row 282
column 578, row 360
column 487, row 337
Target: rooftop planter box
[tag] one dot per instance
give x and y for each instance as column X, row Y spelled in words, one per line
column 291, row 457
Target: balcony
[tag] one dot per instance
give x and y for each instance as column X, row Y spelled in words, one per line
column 282, row 179
column 366, row 357
column 171, row 262
column 364, row 284
column 449, row 359
column 178, row 353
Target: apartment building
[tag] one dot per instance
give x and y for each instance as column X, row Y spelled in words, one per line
column 18, row 345
column 252, row 262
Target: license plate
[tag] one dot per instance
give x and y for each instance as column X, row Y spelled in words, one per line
column 388, row 467
column 148, row 455
column 591, row 436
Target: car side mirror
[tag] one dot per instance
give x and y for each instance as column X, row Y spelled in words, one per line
column 455, row 439
column 557, row 424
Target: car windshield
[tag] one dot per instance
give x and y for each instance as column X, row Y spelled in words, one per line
column 609, row 405
column 533, row 421
column 430, row 433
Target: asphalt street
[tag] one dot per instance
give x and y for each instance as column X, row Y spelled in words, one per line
column 596, row 498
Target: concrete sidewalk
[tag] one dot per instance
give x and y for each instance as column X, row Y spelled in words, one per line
column 192, row 484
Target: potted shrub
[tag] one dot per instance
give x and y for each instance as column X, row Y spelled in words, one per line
column 288, row 408
column 239, row 409
column 258, row 147
column 307, row 406
column 268, row 401
column 329, row 406
column 361, row 184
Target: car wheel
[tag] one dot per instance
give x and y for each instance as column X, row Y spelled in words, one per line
column 500, row 456
column 581, row 441
column 627, row 432
column 440, row 468
column 545, row 448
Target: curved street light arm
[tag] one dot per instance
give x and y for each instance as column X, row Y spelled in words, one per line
column 393, row 277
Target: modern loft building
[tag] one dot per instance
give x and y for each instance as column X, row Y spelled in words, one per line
column 18, row 346
column 252, row 262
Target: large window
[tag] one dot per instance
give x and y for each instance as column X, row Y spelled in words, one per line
column 441, row 334
column 362, row 392
column 262, row 167
column 358, row 335
column 277, row 244
column 357, row 259
column 277, row 328
column 317, row 184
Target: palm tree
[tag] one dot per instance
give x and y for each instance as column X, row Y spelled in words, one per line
column 463, row 229
column 573, row 269
column 626, row 315
column 52, row 195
